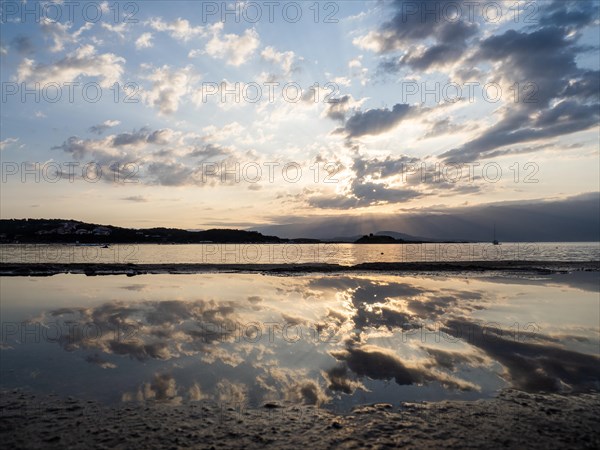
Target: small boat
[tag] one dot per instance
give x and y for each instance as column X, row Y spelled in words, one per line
column 495, row 241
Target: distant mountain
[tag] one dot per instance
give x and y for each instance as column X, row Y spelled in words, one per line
column 378, row 239
column 398, row 236
column 407, row 237
column 72, row 231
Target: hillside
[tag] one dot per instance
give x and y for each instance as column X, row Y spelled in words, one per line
column 72, row 231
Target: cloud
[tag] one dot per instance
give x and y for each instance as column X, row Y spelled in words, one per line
column 337, row 109
column 119, row 29
column 363, row 194
column 234, row 49
column 7, row 142
column 101, row 128
column 208, row 151
column 561, row 98
column 83, row 62
column 566, row 117
column 531, row 366
column 136, row 199
column 283, row 59
column 416, row 22
column 179, row 29
column 377, row 121
column 380, row 363
column 144, row 41
column 99, row 361
column 573, row 219
column 168, row 89
column 61, row 34
column 385, row 181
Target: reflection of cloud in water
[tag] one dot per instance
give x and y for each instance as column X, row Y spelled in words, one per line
column 532, row 366
column 380, row 363
column 162, row 388
column 366, row 315
column 99, row 361
column 158, row 330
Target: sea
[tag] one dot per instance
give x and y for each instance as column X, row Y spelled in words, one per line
column 291, row 253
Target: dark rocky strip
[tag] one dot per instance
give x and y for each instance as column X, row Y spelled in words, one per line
column 92, row 269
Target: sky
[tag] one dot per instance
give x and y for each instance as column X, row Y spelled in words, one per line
column 269, row 115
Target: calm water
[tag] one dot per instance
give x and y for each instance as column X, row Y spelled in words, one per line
column 345, row 254
column 332, row 340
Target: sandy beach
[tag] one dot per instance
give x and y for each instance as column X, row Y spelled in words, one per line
column 514, row 419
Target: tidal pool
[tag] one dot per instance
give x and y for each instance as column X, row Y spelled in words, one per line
column 334, row 340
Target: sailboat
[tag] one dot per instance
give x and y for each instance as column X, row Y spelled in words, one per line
column 495, row 241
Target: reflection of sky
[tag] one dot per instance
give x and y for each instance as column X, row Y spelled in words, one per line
column 330, row 340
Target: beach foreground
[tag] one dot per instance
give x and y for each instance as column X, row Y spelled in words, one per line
column 514, row 419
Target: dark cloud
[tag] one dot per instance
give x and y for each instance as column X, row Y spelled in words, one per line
column 569, row 13
column 363, row 194
column 135, row 198
column 418, row 22
column 531, row 366
column 560, row 99
column 382, row 364
column 171, row 174
column 376, row 121
column 341, row 380
column 376, row 181
column 413, row 21
column 338, row 108
column 208, row 151
column 574, row 219
column 421, row 60
column 99, row 361
column 134, row 138
column 566, row 117
column 449, row 360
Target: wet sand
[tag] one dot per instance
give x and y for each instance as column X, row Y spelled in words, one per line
column 540, row 267
column 514, row 419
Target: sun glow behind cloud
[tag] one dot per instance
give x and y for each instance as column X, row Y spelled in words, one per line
column 242, row 122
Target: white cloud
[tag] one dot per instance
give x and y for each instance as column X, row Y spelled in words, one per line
column 358, row 71
column 119, row 29
column 179, row 29
column 101, row 128
column 82, row 62
column 284, row 59
column 342, row 81
column 168, row 88
column 144, row 41
column 371, row 41
column 235, row 49
column 355, row 63
column 61, row 34
column 6, row 142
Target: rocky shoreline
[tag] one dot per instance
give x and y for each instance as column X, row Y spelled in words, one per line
column 513, row 419
column 92, row 269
